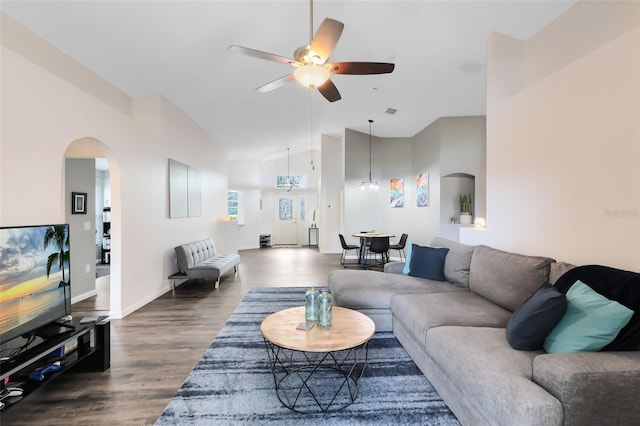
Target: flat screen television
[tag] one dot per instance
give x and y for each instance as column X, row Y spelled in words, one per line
column 35, row 279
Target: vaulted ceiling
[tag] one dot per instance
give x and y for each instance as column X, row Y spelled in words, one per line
column 179, row 49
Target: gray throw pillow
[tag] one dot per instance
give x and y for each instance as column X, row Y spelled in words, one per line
column 458, row 261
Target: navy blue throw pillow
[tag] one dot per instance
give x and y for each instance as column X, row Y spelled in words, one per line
column 532, row 321
column 427, row 262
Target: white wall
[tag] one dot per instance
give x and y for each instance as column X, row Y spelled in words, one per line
column 331, row 205
column 244, row 176
column 563, row 147
column 44, row 112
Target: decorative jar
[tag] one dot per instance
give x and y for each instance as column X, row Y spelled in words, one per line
column 311, row 305
column 324, row 309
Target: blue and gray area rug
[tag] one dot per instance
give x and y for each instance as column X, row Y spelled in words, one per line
column 233, row 384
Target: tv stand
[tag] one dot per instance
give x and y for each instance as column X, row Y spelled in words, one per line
column 56, row 329
column 81, row 347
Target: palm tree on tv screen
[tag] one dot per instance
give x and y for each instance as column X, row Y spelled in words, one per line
column 59, row 237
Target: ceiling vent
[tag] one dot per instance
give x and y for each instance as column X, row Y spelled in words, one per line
column 391, row 111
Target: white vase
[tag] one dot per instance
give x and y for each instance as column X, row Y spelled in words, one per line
column 466, row 219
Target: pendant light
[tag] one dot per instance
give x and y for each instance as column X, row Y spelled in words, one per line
column 288, row 182
column 370, row 184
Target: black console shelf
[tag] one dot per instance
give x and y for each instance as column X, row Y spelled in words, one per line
column 84, row 347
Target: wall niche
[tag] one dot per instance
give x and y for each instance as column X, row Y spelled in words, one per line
column 452, row 186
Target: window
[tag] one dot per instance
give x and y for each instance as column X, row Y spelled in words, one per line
column 232, row 204
column 303, row 209
column 298, row 181
column 285, row 209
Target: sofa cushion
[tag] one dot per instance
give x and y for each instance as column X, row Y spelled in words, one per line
column 535, row 318
column 592, row 385
column 479, row 362
column 191, row 254
column 591, row 322
column 506, row 279
column 427, row 262
column 558, row 269
column 457, row 262
column 420, row 312
column 373, row 289
column 614, row 284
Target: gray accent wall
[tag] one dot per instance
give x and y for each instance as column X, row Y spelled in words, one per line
column 80, row 176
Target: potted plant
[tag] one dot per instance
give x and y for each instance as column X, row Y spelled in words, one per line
column 466, row 217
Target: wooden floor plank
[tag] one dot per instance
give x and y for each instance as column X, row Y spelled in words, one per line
column 155, row 348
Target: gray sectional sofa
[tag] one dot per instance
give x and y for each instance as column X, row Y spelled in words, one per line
column 454, row 330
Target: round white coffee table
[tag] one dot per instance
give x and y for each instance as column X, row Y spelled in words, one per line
column 317, row 370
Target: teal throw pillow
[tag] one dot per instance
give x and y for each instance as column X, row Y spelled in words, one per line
column 407, row 261
column 428, row 262
column 590, row 323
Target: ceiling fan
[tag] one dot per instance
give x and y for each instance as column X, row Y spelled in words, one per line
column 312, row 69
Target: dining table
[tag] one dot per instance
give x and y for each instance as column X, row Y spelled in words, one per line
column 364, row 237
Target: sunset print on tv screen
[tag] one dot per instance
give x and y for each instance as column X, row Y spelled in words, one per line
column 34, row 272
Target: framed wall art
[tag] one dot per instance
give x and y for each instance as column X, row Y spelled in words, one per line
column 422, row 190
column 396, row 193
column 78, row 203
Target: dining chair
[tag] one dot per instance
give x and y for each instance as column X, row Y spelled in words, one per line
column 400, row 247
column 364, row 245
column 380, row 246
column 345, row 249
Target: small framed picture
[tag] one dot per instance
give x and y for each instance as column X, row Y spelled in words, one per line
column 78, row 203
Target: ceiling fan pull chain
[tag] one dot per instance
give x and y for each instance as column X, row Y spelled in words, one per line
column 313, row 110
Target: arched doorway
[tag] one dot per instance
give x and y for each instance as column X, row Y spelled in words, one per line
column 86, row 228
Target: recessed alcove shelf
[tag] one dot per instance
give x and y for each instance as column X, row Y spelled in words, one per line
column 451, row 187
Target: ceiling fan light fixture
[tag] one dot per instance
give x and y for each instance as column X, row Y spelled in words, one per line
column 311, row 75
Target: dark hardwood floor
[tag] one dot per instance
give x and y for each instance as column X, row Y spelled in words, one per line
column 155, row 348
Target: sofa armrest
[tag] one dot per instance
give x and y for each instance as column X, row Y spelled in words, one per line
column 394, row 267
column 595, row 387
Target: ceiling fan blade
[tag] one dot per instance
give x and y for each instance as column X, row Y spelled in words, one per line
column 326, row 38
column 275, row 84
column 361, row 68
column 261, row 55
column 329, row 91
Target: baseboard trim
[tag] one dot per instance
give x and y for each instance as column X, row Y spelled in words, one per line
column 84, row 296
column 130, row 309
